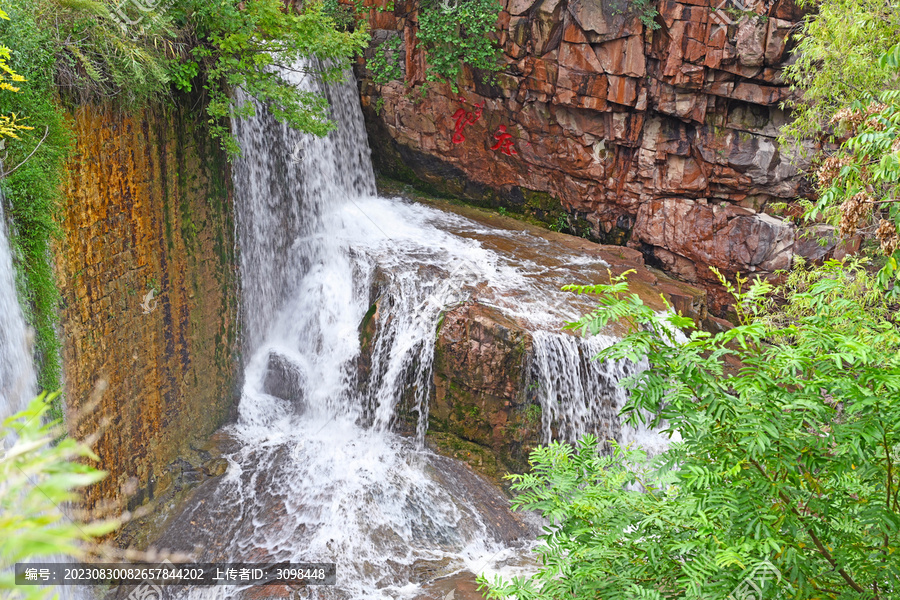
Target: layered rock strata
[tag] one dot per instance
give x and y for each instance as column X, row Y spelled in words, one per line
column 146, row 272
column 664, row 139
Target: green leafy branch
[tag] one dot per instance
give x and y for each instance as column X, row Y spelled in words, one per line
column 859, row 185
column 787, row 459
column 384, row 63
column 456, row 34
column 40, row 471
column 246, row 44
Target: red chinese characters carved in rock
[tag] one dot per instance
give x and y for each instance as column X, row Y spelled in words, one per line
column 504, row 142
column 464, row 118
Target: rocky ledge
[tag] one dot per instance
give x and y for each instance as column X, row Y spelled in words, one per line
column 662, row 139
column 484, row 408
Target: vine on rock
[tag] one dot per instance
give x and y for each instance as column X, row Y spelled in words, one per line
column 456, row 34
column 385, row 64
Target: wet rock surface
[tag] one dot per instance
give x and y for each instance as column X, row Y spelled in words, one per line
column 555, row 259
column 149, row 295
column 201, row 464
column 597, row 122
column 284, row 380
column 480, row 380
column 484, row 408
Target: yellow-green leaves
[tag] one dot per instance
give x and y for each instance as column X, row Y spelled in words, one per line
column 11, row 123
column 39, row 472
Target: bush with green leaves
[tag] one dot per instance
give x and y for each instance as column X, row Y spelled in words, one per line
column 850, row 278
column 646, row 11
column 785, row 476
column 344, row 15
column 39, row 473
column 133, row 53
column 859, row 184
column 456, row 33
column 836, row 61
column 846, row 67
column 385, row 63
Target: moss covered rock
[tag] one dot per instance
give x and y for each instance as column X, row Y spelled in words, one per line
column 480, row 371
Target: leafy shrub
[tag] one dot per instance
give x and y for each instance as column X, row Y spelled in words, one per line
column 850, row 99
column 785, row 476
column 245, row 44
column 96, row 57
column 385, row 63
column 646, row 12
column 859, row 184
column 457, row 33
column 39, row 473
column 344, row 16
column 837, row 60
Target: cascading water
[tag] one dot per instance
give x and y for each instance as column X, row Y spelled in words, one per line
column 17, row 377
column 579, row 395
column 316, row 473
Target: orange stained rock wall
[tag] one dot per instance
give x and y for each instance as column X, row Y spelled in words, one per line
column 149, row 208
column 664, row 139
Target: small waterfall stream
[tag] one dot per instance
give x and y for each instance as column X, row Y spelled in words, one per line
column 18, row 381
column 316, row 473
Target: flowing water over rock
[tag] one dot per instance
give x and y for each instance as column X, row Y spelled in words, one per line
column 18, row 379
column 17, row 376
column 315, row 471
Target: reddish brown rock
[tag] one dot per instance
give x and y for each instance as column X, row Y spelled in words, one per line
column 519, row 7
column 546, row 27
column 624, row 56
column 750, row 41
column 579, row 57
column 602, row 21
column 689, row 236
column 776, row 40
column 622, row 127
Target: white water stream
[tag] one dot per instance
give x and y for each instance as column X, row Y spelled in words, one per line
column 317, row 473
column 17, row 377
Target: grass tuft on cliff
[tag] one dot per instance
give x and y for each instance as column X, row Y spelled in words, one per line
column 34, row 168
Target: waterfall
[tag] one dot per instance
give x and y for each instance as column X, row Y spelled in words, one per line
column 579, row 395
column 316, row 472
column 18, row 381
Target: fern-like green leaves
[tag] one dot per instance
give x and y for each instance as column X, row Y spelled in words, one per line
column 39, row 471
column 784, row 476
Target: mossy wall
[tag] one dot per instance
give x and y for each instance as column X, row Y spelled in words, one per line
column 481, row 400
column 147, row 275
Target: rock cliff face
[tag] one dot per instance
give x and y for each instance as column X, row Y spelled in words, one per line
column 146, row 273
column 662, row 139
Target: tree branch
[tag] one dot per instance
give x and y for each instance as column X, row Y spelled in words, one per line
column 819, row 545
column 13, row 170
